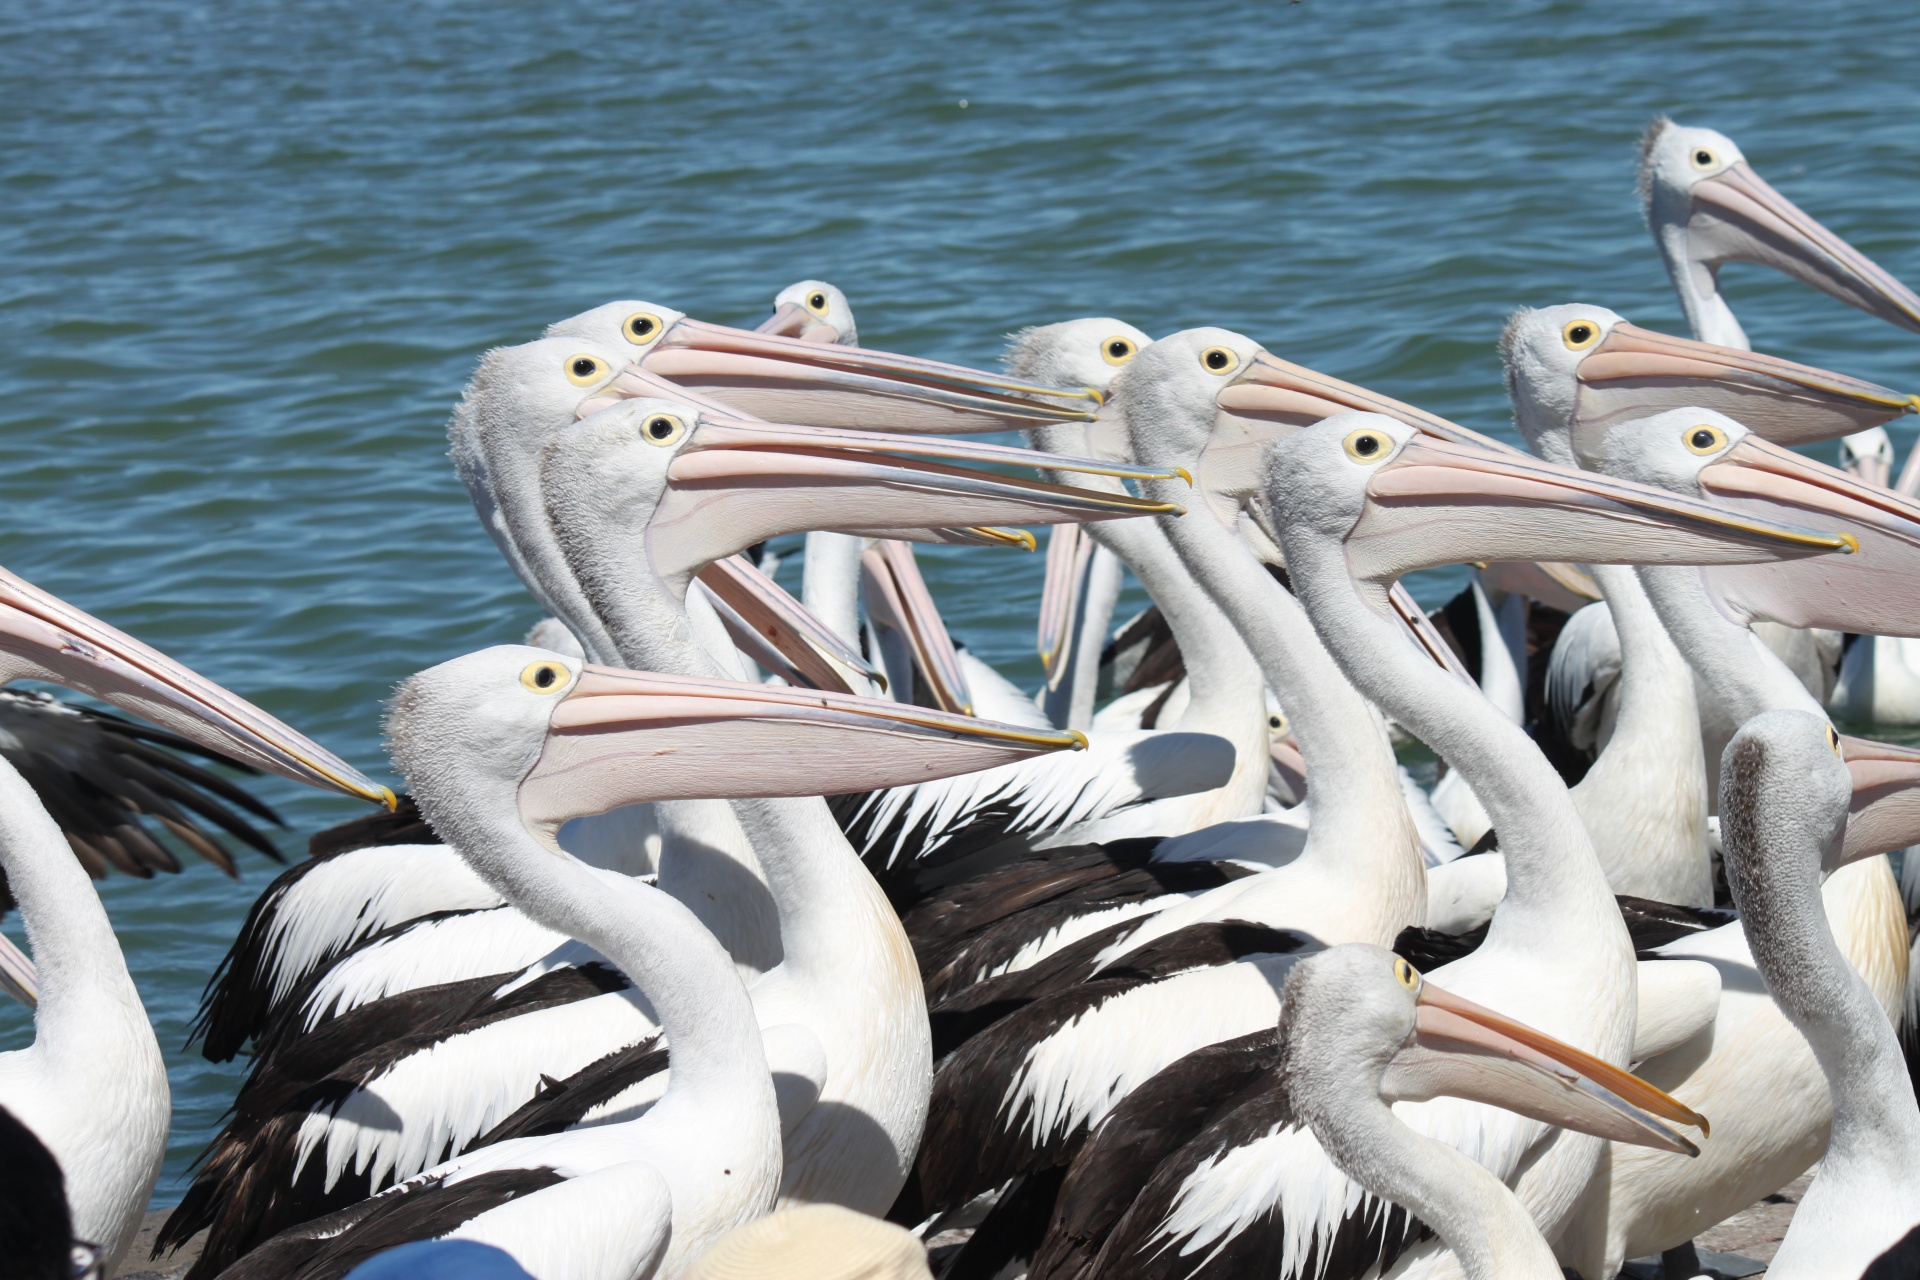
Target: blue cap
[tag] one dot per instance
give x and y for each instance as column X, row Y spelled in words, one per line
column 441, row 1260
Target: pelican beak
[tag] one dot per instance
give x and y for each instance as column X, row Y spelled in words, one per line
column 735, row 483
column 1634, row 372
column 1741, row 218
column 780, row 633
column 1875, row 591
column 1069, row 549
column 791, row 379
column 1465, row 1050
column 791, row 320
column 624, row 737
column 897, row 597
column 1438, row 502
column 1885, row 812
column 44, row 638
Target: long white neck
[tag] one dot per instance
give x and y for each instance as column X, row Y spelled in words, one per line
column 1735, row 665
column 830, row 585
column 1698, row 285
column 1644, row 800
column 1557, row 904
column 1478, row 1217
column 93, row 1086
column 1360, row 825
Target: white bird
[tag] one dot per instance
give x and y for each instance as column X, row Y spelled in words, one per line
column 92, row 1087
column 1785, row 797
column 503, row 746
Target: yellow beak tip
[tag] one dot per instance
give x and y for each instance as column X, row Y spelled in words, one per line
column 1184, row 474
column 1079, row 739
column 387, row 798
column 1852, row 543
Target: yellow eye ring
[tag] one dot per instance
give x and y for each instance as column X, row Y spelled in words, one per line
column 544, row 677
column 1580, row 334
column 1702, row 159
column 662, row 429
column 585, row 370
column 1219, row 360
column 817, row 302
column 1408, row 975
column 1704, row 439
column 1276, row 723
column 642, row 327
column 1367, row 446
column 1118, row 350
column 1833, row 742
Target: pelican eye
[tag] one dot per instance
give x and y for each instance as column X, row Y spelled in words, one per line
column 1833, row 742
column 1367, row 445
column 1408, row 975
column 641, row 327
column 663, row 429
column 1276, row 723
column 1702, row 158
column 1705, row 438
column 544, row 677
column 817, row 303
column 584, row 371
column 1117, row 350
column 1218, row 360
column 1580, row 334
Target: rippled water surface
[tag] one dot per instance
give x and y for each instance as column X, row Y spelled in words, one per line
column 249, row 252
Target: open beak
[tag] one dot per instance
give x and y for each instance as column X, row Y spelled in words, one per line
column 1885, row 812
column 791, row 320
column 1437, row 502
column 1465, row 1050
column 780, row 633
column 1875, row 591
column 1069, row 550
column 1742, row 218
column 1634, row 372
column 44, row 638
column 897, row 597
column 735, row 483
column 624, row 737
column 790, row 379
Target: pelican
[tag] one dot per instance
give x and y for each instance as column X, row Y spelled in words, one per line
column 91, row 1089
column 1361, row 1030
column 500, row 748
column 1354, row 501
column 683, row 487
column 1785, row 799
column 1706, row 206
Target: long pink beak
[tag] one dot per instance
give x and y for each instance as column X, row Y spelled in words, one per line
column 44, row 638
column 1876, row 590
column 791, row 320
column 1069, row 550
column 1438, row 502
column 779, row 632
column 624, row 737
column 1465, row 1050
column 789, row 379
column 1745, row 219
column 1885, row 812
column 1635, row 372
column 897, row 597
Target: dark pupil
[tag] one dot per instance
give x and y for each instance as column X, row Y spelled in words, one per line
column 1703, row 157
column 642, row 328
column 819, row 301
column 1366, row 446
column 1216, row 359
column 1273, row 722
column 544, row 677
column 1581, row 333
column 581, row 368
column 1117, row 348
column 659, row 428
column 1703, row 439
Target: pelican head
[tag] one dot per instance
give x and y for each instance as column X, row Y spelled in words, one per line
column 812, row 311
column 1074, row 353
column 1574, row 369
column 1358, row 1016
column 1399, row 499
column 1706, row 206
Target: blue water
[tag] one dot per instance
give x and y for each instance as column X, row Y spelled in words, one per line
column 249, row 253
